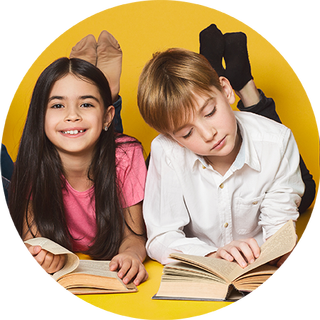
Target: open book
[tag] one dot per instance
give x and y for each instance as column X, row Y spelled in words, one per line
column 83, row 276
column 207, row 278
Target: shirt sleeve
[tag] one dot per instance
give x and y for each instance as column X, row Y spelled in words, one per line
column 282, row 199
column 165, row 212
column 131, row 173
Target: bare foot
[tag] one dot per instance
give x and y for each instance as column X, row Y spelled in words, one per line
column 85, row 49
column 109, row 61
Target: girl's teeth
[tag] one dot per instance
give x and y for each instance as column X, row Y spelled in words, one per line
column 73, row 131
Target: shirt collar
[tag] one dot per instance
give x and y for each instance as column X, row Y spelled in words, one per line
column 247, row 153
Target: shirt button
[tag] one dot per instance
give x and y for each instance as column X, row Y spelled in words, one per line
column 221, row 186
column 255, row 202
column 203, row 167
column 226, row 225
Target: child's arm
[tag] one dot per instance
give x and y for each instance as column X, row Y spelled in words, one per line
column 164, row 208
column 242, row 251
column 132, row 250
column 283, row 197
column 49, row 262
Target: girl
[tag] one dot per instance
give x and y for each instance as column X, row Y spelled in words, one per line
column 76, row 181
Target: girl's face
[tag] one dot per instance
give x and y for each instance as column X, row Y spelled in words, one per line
column 75, row 116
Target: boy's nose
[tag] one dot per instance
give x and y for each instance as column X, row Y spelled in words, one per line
column 208, row 134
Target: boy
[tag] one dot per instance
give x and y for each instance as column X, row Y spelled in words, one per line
column 219, row 182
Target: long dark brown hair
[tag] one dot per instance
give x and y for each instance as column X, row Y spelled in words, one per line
column 38, row 181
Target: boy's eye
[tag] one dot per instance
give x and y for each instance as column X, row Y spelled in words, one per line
column 86, row 105
column 187, row 135
column 211, row 113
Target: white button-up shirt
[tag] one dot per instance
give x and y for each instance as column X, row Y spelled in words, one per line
column 189, row 207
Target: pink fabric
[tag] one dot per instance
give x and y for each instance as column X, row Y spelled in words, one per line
column 80, row 206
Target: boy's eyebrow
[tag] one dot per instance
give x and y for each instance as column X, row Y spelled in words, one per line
column 81, row 98
column 206, row 103
column 200, row 111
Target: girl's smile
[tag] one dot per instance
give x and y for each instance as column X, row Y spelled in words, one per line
column 74, row 131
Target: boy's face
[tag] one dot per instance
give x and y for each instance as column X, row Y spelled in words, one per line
column 212, row 128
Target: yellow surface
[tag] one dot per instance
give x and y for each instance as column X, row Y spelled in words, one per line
column 308, row 226
column 282, row 39
column 141, row 306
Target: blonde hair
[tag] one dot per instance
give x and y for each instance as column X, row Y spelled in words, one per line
column 168, row 84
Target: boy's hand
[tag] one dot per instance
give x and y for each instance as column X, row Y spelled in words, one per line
column 242, row 251
column 49, row 262
column 129, row 266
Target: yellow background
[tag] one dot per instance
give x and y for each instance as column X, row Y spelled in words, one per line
column 283, row 42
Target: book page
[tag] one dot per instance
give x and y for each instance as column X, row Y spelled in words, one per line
column 282, row 242
column 181, row 269
column 219, row 267
column 95, row 267
column 72, row 261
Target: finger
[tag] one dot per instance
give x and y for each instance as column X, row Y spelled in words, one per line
column 132, row 272
column 46, row 264
column 124, row 269
column 246, row 252
column 222, row 253
column 60, row 265
column 254, row 247
column 40, row 257
column 34, row 250
column 141, row 276
column 56, row 264
column 238, row 257
column 113, row 265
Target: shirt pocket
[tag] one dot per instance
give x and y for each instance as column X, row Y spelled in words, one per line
column 246, row 215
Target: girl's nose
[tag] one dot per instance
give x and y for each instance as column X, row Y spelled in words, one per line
column 73, row 115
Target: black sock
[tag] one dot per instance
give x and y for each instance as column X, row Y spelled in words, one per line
column 238, row 69
column 212, row 47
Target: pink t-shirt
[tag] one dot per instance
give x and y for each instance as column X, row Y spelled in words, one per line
column 80, row 206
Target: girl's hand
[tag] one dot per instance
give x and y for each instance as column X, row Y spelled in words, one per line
column 49, row 262
column 242, row 251
column 129, row 266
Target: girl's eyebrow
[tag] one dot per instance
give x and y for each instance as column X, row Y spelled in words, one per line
column 55, row 98
column 89, row 97
column 80, row 98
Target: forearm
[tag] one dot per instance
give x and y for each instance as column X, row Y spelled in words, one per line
column 162, row 245
column 136, row 244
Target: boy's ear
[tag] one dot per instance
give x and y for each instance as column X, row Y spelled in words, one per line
column 227, row 90
column 108, row 116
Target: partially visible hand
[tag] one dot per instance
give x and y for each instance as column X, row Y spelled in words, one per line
column 49, row 262
column 242, row 251
column 130, row 267
column 279, row 261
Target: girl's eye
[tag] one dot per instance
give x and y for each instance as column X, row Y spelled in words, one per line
column 187, row 135
column 57, row 106
column 86, row 105
column 211, row 113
